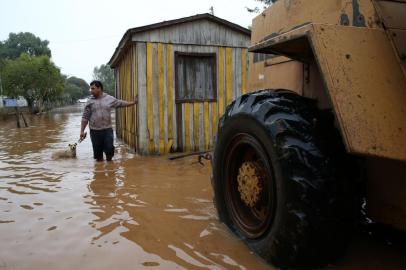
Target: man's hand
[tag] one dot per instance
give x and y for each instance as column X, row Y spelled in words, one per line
column 82, row 135
column 133, row 102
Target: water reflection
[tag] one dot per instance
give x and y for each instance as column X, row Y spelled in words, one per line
column 43, row 131
column 105, row 203
column 173, row 217
column 23, row 172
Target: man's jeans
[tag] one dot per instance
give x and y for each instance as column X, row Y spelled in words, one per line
column 102, row 141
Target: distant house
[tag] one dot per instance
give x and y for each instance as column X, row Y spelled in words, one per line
column 12, row 102
column 82, row 100
column 184, row 73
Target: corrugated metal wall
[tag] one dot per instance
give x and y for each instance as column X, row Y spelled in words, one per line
column 157, row 122
column 127, row 90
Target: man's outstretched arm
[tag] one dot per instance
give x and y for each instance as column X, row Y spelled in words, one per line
column 122, row 103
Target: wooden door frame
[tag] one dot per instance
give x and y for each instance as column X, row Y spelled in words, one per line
column 179, row 102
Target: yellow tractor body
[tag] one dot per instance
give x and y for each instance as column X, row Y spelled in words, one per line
column 351, row 57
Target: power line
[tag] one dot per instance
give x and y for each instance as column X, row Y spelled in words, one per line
column 85, row 40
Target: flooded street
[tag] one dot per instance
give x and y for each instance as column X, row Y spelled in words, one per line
column 132, row 213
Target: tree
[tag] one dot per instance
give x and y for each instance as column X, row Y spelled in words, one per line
column 72, row 92
column 23, row 42
column 265, row 5
column 2, row 63
column 1, row 53
column 82, row 84
column 106, row 75
column 35, row 78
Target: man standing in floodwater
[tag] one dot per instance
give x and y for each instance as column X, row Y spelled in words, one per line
column 98, row 114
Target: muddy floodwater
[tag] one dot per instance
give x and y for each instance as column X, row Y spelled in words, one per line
column 132, row 213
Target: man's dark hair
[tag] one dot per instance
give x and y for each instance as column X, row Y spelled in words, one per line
column 96, row 83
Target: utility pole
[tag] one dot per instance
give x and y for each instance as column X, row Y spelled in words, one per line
column 212, row 10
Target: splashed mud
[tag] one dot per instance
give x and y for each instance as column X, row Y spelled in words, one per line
column 132, row 213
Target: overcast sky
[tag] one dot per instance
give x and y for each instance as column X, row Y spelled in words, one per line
column 84, row 33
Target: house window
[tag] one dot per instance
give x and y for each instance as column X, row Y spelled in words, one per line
column 195, row 77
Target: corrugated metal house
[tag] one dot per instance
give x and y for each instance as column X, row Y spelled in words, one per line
column 184, row 73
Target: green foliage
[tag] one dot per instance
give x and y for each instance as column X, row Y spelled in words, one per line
column 26, row 70
column 23, row 42
column 72, row 92
column 1, row 52
column 35, row 78
column 82, row 84
column 106, row 75
column 74, row 89
column 265, row 5
column 2, row 60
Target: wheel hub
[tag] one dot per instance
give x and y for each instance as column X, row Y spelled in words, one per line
column 249, row 178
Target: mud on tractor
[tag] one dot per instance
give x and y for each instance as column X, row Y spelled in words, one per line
column 293, row 164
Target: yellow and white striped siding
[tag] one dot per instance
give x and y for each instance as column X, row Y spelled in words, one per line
column 127, row 89
column 154, row 74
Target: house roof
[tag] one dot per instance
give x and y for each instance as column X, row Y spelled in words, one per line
column 205, row 16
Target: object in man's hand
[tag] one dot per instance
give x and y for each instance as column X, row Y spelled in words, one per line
column 82, row 137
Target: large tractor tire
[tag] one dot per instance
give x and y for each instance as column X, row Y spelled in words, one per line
column 276, row 182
